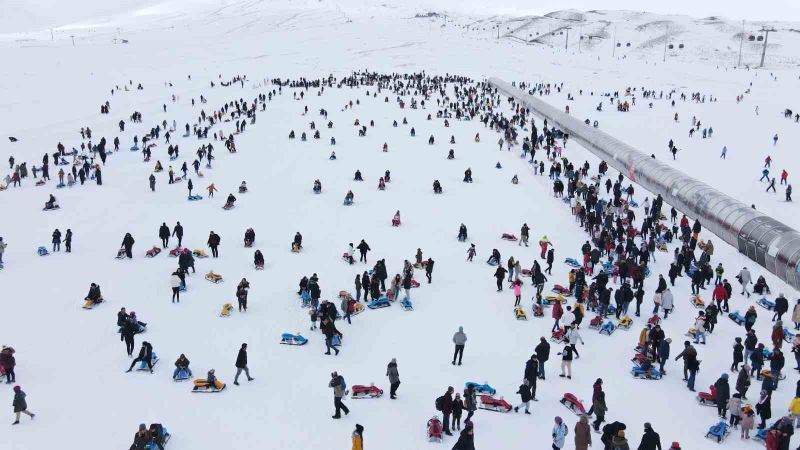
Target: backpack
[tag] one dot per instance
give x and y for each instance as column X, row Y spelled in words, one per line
column 439, row 403
column 344, row 383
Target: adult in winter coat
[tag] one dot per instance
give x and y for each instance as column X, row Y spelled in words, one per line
column 175, row 283
column 338, row 385
column 466, row 440
column 146, row 355
column 743, row 381
column 650, row 439
column 764, row 408
column 56, row 240
column 524, row 392
column 20, row 405
column 241, row 365
column 795, row 311
column 542, row 354
column 559, row 433
column 459, row 339
column 583, row 434
column 213, row 242
column 447, row 409
column 178, row 233
column 394, row 378
column 142, row 438
column 67, row 243
column 532, row 374
column 127, row 244
column 745, row 279
column 500, row 275
column 781, row 306
column 363, row 248
column 182, row 363
column 163, row 234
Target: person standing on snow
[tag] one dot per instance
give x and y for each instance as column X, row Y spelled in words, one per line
column 394, row 378
column 745, row 278
column 241, row 365
column 20, row 405
column 459, row 339
column 163, row 233
column 127, row 244
column 178, row 233
column 542, row 351
column 213, row 243
column 363, row 248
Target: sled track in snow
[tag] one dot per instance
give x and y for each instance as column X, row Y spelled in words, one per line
column 770, row 243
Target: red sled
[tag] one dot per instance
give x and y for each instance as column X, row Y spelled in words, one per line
column 395, row 222
column 655, row 320
column 559, row 289
column 493, row 404
column 360, row 391
column 175, row 252
column 708, row 398
column 525, row 273
column 508, row 237
column 414, row 283
column 152, row 252
column 573, row 404
column 596, row 322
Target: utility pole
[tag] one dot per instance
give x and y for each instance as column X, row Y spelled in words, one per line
column 580, row 38
column 73, row 40
column 566, row 40
column 51, row 34
column 766, row 32
column 614, row 44
column 741, row 43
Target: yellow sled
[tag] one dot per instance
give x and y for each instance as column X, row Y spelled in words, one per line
column 213, row 277
column 201, row 385
column 552, row 298
column 358, row 308
column 200, row 253
column 625, row 322
column 90, row 304
column 520, row 314
column 697, row 302
column 295, row 248
column 226, row 311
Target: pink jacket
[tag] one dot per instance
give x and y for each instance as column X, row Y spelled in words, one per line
column 517, row 289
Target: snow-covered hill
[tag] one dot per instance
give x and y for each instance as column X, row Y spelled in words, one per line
column 71, row 362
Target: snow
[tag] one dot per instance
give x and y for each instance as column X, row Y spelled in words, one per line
column 69, row 360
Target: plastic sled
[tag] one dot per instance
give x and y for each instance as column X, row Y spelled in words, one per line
column 414, row 283
column 152, row 252
column 395, row 222
column 120, row 253
column 60, row 185
column 526, row 273
column 508, row 237
column 143, row 365
column 697, row 302
column 766, row 304
column 347, row 202
column 493, row 404
column 228, row 206
column 201, row 386
column 646, row 374
column 182, row 287
column 293, row 339
column 625, row 323
column 52, row 208
column 559, row 289
column 558, row 336
column 718, row 432
column 607, row 328
column 195, row 197
column 200, row 253
column 435, row 430
column 596, row 322
column 42, row 251
column 259, row 266
column 737, row 317
column 708, row 398
column 359, row 391
column 573, row 404
column 175, row 252
column 655, row 320
column 572, row 262
column 295, row 248
column 358, row 308
column 226, row 310
column 407, row 305
column 461, row 238
column 480, row 389
column 382, row 302
column 520, row 314
column 242, row 190
column 213, row 277
column 183, row 375
column 491, row 262
column 550, row 300
column 90, row 304
column 787, row 335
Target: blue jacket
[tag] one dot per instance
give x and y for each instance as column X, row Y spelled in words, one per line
column 559, row 434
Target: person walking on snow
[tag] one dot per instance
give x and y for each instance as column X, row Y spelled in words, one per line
column 559, row 433
column 394, row 378
column 459, row 339
column 241, row 365
column 20, row 405
column 339, row 387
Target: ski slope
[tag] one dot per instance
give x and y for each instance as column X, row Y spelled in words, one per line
column 71, row 362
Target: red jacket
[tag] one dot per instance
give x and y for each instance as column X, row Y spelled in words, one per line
column 719, row 293
column 558, row 311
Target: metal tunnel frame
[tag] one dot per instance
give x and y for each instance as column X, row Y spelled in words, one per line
column 770, row 243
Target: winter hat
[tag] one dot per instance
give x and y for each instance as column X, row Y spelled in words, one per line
column 724, row 376
column 359, row 428
column 394, row 360
column 676, row 446
column 558, row 420
column 17, row 388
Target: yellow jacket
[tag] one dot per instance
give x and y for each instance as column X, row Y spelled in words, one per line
column 357, row 442
column 794, row 407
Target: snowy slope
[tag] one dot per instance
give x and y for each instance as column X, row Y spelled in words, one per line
column 71, row 362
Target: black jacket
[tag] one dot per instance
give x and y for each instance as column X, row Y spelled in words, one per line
column 542, row 351
column 241, row 359
column 650, row 440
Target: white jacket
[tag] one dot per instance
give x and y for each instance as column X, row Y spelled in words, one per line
column 175, row 281
column 574, row 336
column 666, row 299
